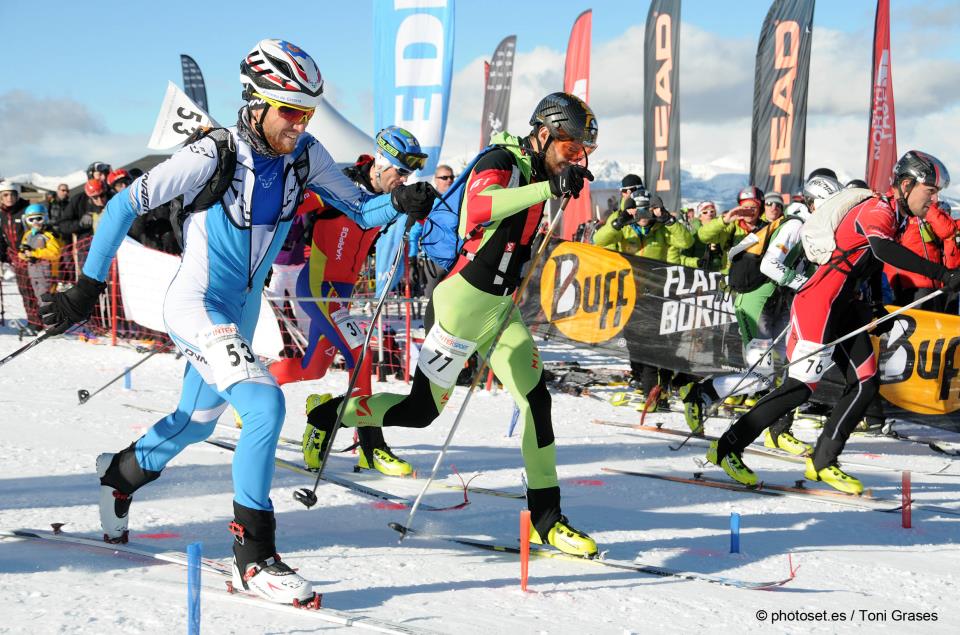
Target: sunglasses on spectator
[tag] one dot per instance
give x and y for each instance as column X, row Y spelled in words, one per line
column 445, row 177
column 708, row 211
column 769, row 203
column 98, row 196
column 287, row 112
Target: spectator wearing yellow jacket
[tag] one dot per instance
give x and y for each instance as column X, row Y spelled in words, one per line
column 730, row 228
column 40, row 248
column 645, row 228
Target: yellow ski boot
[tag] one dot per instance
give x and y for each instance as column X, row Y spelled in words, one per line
column 836, row 478
column 315, row 434
column 385, row 462
column 786, row 442
column 567, row 539
column 733, row 465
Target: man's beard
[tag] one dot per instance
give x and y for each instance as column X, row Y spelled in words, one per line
column 281, row 144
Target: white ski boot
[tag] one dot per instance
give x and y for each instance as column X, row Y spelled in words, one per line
column 114, row 506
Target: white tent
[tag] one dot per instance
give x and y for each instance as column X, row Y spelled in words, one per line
column 342, row 139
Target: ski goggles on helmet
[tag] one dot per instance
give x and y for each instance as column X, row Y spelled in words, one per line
column 410, row 160
column 287, row 112
column 36, row 219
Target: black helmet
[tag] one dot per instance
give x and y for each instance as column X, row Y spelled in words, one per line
column 568, row 118
column 923, row 167
column 631, row 182
column 823, row 172
column 98, row 166
column 860, row 183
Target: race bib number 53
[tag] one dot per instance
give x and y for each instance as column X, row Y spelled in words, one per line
column 229, row 355
column 443, row 355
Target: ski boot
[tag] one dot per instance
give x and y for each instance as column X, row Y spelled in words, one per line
column 733, row 465
column 749, row 401
column 549, row 526
column 257, row 566
column 120, row 476
column 693, row 406
column 836, row 478
column 786, row 442
column 565, row 538
column 626, row 398
column 375, row 454
column 317, row 433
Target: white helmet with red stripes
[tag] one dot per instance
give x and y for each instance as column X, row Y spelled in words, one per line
column 282, row 71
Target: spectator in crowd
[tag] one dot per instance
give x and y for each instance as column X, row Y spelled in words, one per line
column 119, row 180
column 443, row 178
column 98, row 170
column 58, row 206
column 645, row 228
column 629, row 185
column 40, row 250
column 703, row 255
column 772, row 206
column 727, row 230
column 96, row 192
column 11, row 226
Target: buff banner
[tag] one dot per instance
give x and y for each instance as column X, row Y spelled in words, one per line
column 780, row 97
column 661, row 103
column 678, row 318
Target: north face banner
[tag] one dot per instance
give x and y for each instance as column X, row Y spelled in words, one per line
column 780, row 97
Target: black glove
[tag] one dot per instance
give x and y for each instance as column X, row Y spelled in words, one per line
column 878, row 312
column 951, row 279
column 569, row 181
column 622, row 220
column 414, row 200
column 60, row 311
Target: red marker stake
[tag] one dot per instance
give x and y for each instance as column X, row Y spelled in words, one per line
column 907, row 503
column 524, row 548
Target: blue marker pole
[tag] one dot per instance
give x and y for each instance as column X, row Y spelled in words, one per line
column 127, row 380
column 734, row 532
column 193, row 588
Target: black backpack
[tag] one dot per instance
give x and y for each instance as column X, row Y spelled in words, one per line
column 744, row 274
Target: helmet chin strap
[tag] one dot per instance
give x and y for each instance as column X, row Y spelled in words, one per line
column 902, row 197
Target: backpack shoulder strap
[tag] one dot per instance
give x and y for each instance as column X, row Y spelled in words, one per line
column 222, row 176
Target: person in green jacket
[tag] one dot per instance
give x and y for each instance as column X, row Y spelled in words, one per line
column 650, row 232
column 709, row 256
column 645, row 228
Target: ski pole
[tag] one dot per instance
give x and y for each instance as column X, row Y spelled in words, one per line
column 866, row 327
column 712, row 410
column 23, row 349
column 85, row 395
column 296, row 335
column 308, row 497
column 486, row 361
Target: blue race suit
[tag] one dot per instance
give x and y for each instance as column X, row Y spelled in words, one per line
column 228, row 250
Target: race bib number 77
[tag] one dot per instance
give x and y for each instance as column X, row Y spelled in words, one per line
column 229, row 355
column 443, row 355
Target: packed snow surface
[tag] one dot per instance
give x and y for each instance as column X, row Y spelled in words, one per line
column 856, row 569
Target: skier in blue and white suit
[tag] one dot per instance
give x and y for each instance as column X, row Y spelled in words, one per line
column 212, row 305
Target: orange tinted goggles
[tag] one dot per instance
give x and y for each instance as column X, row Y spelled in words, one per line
column 573, row 150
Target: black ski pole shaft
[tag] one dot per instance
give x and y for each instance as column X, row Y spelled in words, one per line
column 23, row 349
column 3, row 306
column 85, row 395
column 308, row 497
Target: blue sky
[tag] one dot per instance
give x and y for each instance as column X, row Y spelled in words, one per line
column 98, row 74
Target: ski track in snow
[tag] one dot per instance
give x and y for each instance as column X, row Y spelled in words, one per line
column 848, row 559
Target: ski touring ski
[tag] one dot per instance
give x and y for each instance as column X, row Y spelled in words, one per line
column 535, row 551
column 345, row 483
column 865, row 501
column 768, row 452
column 214, row 567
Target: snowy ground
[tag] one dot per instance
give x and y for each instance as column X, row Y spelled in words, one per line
column 850, row 560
